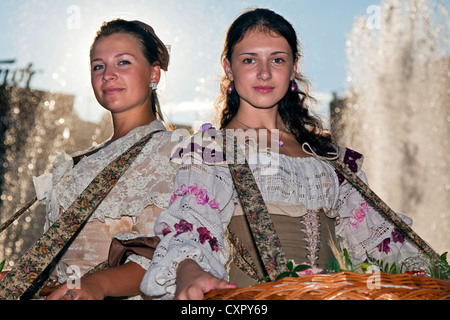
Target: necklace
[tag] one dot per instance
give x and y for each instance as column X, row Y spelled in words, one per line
column 280, row 142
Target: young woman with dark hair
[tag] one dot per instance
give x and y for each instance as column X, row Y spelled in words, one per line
column 309, row 205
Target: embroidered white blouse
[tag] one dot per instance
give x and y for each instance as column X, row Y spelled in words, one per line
column 131, row 207
column 205, row 200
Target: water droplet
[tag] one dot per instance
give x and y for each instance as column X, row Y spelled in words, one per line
column 66, row 133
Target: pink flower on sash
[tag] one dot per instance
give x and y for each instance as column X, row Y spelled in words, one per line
column 202, row 197
column 353, row 222
column 172, row 199
column 214, row 204
column 194, row 190
column 181, row 191
column 359, row 215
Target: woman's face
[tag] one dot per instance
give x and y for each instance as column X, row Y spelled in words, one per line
column 262, row 68
column 121, row 75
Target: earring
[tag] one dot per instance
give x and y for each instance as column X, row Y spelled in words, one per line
column 293, row 87
column 230, row 89
column 154, row 86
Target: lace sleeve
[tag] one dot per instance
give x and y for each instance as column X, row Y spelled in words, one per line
column 364, row 230
column 192, row 227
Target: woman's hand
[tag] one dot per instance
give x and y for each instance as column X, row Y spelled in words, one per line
column 193, row 282
column 88, row 290
column 121, row 281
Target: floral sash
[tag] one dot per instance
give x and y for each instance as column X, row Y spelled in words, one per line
column 380, row 206
column 264, row 232
column 260, row 223
column 30, row 203
column 54, row 240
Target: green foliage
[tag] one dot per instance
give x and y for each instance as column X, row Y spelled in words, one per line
column 348, row 262
column 440, row 269
column 382, row 265
column 292, row 271
column 332, row 266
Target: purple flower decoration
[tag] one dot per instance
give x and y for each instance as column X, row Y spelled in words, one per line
column 205, row 127
column 384, row 246
column 166, row 231
column 214, row 244
column 182, row 227
column 397, row 236
column 204, row 234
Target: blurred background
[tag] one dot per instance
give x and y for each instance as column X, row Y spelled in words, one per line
column 380, row 71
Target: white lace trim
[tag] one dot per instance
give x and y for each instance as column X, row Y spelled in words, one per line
column 306, row 182
column 140, row 260
column 312, row 231
column 365, row 236
column 148, row 181
column 296, row 181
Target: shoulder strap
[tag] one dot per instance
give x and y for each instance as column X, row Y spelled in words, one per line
column 378, row 204
column 30, row 203
column 260, row 223
column 54, row 240
column 18, row 214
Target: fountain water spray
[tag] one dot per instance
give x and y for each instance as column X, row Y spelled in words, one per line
column 397, row 111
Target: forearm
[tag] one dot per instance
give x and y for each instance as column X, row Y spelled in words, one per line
column 121, row 281
column 193, row 282
column 187, row 269
column 192, row 228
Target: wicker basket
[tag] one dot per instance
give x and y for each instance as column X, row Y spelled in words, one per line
column 342, row 286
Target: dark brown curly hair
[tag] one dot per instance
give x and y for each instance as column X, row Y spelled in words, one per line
column 293, row 107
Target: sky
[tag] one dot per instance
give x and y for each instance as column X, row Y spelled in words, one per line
column 55, row 35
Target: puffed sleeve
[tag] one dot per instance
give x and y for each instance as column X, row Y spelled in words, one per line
column 44, row 185
column 364, row 231
column 193, row 227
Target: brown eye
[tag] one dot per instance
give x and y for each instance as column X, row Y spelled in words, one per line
column 278, row 60
column 97, row 67
column 248, row 61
